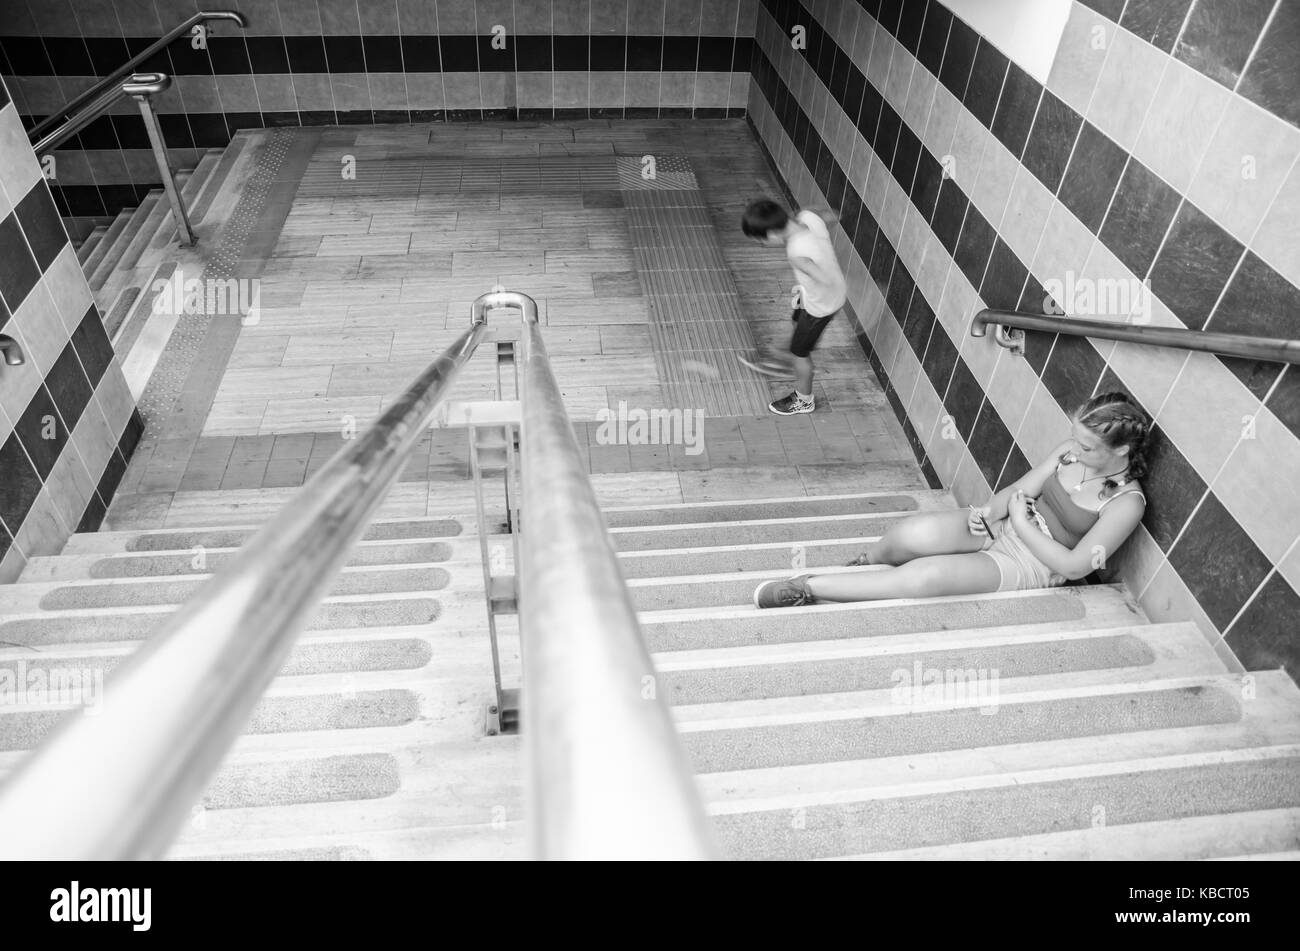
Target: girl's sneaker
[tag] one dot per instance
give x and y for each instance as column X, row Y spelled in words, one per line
column 792, row 405
column 788, row 593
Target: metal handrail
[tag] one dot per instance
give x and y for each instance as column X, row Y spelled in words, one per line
column 119, row 783
column 151, row 82
column 115, row 78
column 141, row 87
column 607, row 775
column 1271, row 349
column 11, row 351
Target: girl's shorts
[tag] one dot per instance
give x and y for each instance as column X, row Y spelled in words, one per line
column 1019, row 568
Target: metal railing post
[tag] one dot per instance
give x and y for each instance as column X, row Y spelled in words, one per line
column 142, row 92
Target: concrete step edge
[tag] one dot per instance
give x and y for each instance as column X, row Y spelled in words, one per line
column 1105, row 593
column 938, row 495
column 79, row 561
column 115, row 227
column 133, row 533
column 1022, row 777
column 722, row 658
column 25, row 587
column 795, row 521
column 87, row 247
column 66, row 650
column 1164, row 840
column 1271, row 719
column 144, row 233
column 831, row 708
column 107, row 265
column 217, row 179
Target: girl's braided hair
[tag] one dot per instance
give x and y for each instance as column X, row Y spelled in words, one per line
column 1119, row 421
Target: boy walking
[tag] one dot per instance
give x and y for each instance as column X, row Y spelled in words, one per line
column 819, row 293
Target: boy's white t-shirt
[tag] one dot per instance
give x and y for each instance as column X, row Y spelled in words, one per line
column 819, row 298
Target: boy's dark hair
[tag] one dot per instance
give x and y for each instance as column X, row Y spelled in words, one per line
column 763, row 216
column 1119, row 421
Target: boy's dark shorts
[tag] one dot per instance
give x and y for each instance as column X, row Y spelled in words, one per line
column 806, row 331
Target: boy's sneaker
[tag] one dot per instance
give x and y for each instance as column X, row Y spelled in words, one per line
column 789, row 593
column 792, row 405
column 769, row 366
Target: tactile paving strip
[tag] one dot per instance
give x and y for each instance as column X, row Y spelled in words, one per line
column 697, row 325
column 186, row 343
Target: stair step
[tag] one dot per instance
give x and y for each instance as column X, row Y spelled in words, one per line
column 21, row 728
column 470, row 804
column 487, row 841
column 129, row 329
column 191, row 183
column 280, row 782
column 87, row 247
column 765, row 556
column 1026, row 802
column 1069, row 607
column 174, row 590
column 156, row 225
column 1271, row 718
column 115, row 229
column 217, row 179
column 113, row 254
column 116, row 314
column 1265, row 832
column 866, row 503
column 100, row 624
column 755, row 531
column 880, row 663
column 789, row 731
column 145, row 230
column 193, row 561
column 733, row 588
column 188, row 539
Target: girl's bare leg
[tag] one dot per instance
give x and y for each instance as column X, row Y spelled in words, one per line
column 925, row 577
column 928, row 533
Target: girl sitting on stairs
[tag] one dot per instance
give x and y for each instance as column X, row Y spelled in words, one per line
column 1054, row 523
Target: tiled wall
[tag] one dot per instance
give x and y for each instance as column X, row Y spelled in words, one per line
column 1164, row 147
column 68, row 424
column 359, row 61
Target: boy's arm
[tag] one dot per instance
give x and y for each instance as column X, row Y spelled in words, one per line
column 809, row 266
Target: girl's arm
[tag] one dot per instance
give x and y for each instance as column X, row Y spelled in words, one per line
column 1031, row 483
column 1095, row 549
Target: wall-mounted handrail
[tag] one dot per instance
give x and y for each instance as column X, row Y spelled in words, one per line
column 1271, row 349
column 11, row 351
column 607, row 775
column 142, row 87
column 118, row 784
column 114, row 79
column 153, row 82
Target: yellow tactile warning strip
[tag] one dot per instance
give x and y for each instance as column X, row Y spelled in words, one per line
column 697, row 327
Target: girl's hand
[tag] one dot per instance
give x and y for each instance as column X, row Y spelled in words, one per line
column 973, row 523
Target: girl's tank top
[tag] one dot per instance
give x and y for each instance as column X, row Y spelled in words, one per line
column 1068, row 520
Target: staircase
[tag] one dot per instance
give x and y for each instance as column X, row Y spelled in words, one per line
column 1094, row 733
column 130, row 261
